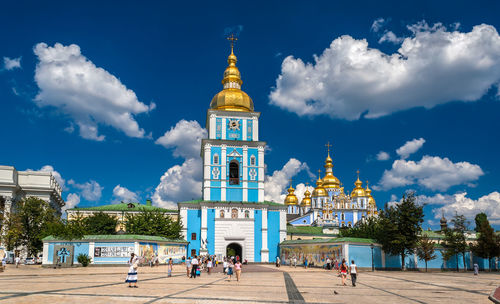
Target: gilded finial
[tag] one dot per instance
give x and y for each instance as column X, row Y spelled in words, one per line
column 319, row 173
column 328, row 147
column 232, row 39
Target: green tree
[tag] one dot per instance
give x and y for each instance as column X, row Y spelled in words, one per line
column 425, row 250
column 399, row 227
column 488, row 243
column 155, row 223
column 13, row 232
column 479, row 219
column 34, row 215
column 454, row 241
column 101, row 223
column 363, row 229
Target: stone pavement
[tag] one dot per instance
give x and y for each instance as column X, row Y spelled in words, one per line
column 259, row 284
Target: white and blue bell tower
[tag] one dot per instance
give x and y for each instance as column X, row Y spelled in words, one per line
column 233, row 156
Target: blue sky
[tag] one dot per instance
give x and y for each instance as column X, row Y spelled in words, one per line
column 417, row 76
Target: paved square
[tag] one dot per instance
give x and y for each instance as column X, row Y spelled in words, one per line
column 259, row 284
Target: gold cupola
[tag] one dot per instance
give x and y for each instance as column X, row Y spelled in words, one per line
column 358, row 191
column 232, row 98
column 306, row 201
column 330, row 181
column 291, row 198
column 319, row 190
column 371, row 200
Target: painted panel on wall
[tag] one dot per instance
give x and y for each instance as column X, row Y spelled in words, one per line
column 211, row 231
column 193, row 226
column 315, row 254
column 273, row 234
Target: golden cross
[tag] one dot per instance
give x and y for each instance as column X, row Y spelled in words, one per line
column 290, row 180
column 366, row 184
column 328, row 147
column 232, row 39
column 357, row 171
column 319, row 173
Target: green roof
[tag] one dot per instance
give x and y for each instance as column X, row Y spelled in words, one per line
column 107, row 237
column 123, row 207
column 332, row 240
column 199, row 201
column 432, row 234
column 304, row 230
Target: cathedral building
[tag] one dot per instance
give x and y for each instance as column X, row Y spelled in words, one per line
column 328, row 205
column 232, row 216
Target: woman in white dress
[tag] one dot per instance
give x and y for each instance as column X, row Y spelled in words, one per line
column 132, row 270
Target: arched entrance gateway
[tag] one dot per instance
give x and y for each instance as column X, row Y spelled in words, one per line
column 234, row 249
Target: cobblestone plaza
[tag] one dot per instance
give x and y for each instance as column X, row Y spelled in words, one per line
column 259, row 284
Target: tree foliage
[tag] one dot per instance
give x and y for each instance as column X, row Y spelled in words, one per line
column 454, row 241
column 34, row 216
column 480, row 219
column 399, row 227
column 155, row 223
column 100, row 223
column 363, row 229
column 425, row 250
column 488, row 243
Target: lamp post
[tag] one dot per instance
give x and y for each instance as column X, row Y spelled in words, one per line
column 372, row 246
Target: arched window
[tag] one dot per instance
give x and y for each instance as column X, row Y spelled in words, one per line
column 234, row 172
column 216, row 159
column 221, row 214
column 252, row 160
column 342, row 217
column 247, row 214
column 234, row 213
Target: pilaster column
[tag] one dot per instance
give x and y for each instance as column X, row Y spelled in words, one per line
column 223, row 169
column 203, row 235
column 245, row 170
column 224, row 127
column 212, row 124
column 255, row 129
column 264, row 252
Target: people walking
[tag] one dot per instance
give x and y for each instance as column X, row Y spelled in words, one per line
column 188, row 266
column 194, row 267
column 305, row 263
column 278, row 261
column 230, row 266
column 476, row 269
column 18, row 261
column 353, row 269
column 209, row 265
column 237, row 268
column 170, row 266
column 132, row 270
column 294, row 260
column 343, row 272
column 224, row 266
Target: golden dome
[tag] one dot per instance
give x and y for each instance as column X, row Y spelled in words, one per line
column 358, row 190
column 319, row 190
column 330, row 181
column 291, row 198
column 232, row 98
column 371, row 200
column 306, row 201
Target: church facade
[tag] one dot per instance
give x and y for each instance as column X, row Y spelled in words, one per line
column 232, row 216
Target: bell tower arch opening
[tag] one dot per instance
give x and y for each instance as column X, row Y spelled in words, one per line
column 234, row 172
column 234, row 249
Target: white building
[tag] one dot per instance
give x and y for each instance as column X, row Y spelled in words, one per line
column 17, row 185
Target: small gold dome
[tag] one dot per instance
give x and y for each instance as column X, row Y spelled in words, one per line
column 306, row 201
column 319, row 190
column 330, row 181
column 358, row 191
column 291, row 198
column 232, row 98
column 371, row 200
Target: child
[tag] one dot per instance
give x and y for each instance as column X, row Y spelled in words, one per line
column 230, row 269
column 170, row 266
column 224, row 266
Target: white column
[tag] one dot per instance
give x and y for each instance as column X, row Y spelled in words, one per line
column 354, row 217
column 244, row 133
column 137, row 251
column 245, row 171
column 223, row 134
column 206, row 172
column 282, row 225
column 346, row 251
column 212, row 124
column 255, row 129
column 261, row 174
column 45, row 258
column 264, row 252
column 223, row 174
column 203, row 236
column 91, row 251
column 183, row 218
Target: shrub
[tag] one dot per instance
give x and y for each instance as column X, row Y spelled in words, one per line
column 83, row 259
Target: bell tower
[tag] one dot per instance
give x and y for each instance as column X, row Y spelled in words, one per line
column 233, row 156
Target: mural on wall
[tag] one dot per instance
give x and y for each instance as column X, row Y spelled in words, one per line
column 148, row 250
column 315, row 254
column 176, row 252
column 113, row 251
column 63, row 255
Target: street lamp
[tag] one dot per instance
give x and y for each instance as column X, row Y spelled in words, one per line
column 372, row 246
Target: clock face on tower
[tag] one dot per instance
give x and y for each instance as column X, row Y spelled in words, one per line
column 234, row 124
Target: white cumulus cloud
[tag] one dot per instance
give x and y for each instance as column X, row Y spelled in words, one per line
column 378, row 24
column 181, row 182
column 389, row 36
column 276, row 184
column 90, row 190
column 11, row 63
column 88, row 94
column 60, row 180
column 433, row 66
column 382, row 155
column 431, row 172
column 461, row 204
column 124, row 194
column 410, row 147
column 72, row 200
